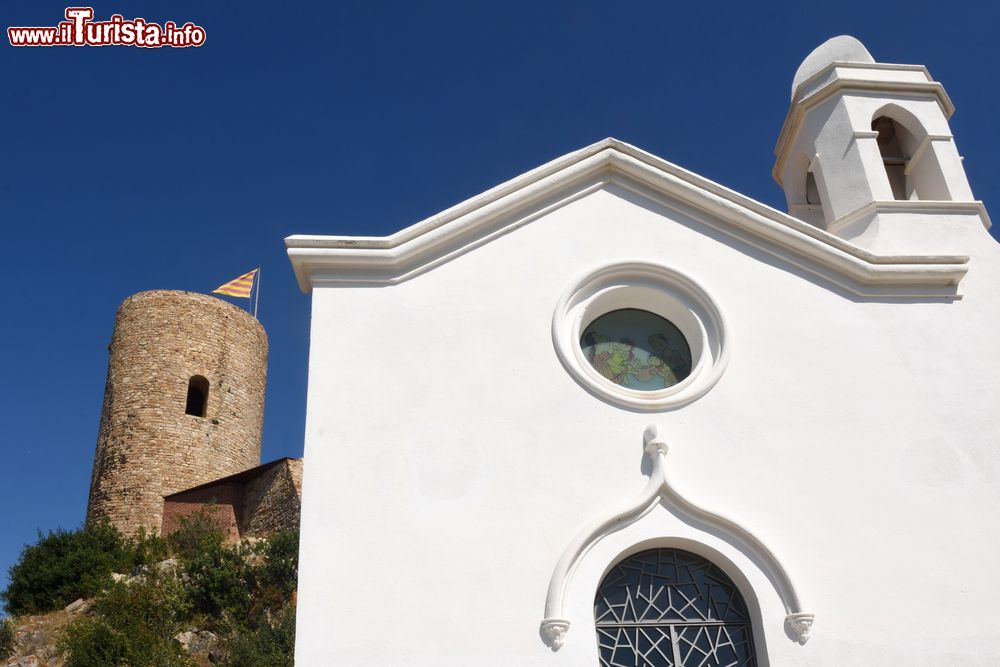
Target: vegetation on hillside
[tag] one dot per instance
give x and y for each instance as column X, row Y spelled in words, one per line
column 243, row 594
column 63, row 566
column 6, row 638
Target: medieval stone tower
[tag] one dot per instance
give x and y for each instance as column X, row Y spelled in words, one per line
column 183, row 404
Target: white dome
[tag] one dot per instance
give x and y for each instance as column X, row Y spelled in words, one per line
column 836, row 49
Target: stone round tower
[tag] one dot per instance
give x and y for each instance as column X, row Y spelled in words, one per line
column 183, row 403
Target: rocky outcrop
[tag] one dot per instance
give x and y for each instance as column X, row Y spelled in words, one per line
column 201, row 644
column 36, row 638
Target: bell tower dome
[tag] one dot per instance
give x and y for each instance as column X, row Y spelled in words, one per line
column 867, row 144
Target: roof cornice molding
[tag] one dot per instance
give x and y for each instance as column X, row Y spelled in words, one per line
column 350, row 260
column 848, row 65
column 912, row 207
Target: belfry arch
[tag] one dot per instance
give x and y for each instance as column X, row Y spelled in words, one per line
column 912, row 170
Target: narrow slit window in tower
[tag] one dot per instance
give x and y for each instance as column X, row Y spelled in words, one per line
column 812, row 191
column 197, row 396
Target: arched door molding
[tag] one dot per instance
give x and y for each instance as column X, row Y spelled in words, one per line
column 659, row 490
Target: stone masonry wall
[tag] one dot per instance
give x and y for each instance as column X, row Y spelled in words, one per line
column 147, row 446
column 273, row 501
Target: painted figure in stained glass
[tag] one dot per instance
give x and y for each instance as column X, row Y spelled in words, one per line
column 663, row 360
column 614, row 360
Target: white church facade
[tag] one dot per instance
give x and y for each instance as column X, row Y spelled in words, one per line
column 613, row 413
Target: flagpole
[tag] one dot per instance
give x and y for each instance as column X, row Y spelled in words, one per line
column 257, row 299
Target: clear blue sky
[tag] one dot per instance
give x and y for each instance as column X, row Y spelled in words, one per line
column 125, row 169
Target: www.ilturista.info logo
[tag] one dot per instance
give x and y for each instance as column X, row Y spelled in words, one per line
column 79, row 29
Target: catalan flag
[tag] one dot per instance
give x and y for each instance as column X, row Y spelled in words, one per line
column 240, row 287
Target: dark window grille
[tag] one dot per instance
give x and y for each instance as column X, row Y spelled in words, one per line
column 671, row 608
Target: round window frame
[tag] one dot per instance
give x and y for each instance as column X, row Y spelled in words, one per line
column 659, row 290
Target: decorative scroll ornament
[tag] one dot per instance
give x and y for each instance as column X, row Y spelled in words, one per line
column 554, row 632
column 555, row 626
column 801, row 625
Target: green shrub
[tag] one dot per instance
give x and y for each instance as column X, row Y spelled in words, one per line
column 156, row 599
column 134, row 624
column 93, row 642
column 89, row 642
column 279, row 563
column 230, row 585
column 273, row 575
column 148, row 549
column 215, row 580
column 270, row 643
column 197, row 534
column 6, row 638
column 63, row 566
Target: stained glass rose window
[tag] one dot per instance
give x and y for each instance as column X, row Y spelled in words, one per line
column 637, row 349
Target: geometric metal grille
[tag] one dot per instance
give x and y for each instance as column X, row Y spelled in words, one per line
column 671, row 608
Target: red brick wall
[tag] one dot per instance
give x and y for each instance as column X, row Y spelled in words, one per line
column 226, row 510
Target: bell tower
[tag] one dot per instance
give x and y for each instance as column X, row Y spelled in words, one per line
column 866, row 149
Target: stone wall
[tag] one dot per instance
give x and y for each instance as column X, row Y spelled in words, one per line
column 273, row 500
column 253, row 503
column 147, row 446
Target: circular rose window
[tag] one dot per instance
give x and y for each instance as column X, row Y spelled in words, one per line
column 637, row 349
column 640, row 335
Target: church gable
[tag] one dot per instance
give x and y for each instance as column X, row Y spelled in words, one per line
column 479, row 381
column 611, row 164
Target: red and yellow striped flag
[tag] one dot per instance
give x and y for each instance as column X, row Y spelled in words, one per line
column 240, row 287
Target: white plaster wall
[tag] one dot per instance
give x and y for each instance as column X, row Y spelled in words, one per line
column 912, row 231
column 451, row 458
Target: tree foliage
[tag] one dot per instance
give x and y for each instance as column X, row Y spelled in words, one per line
column 63, row 566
